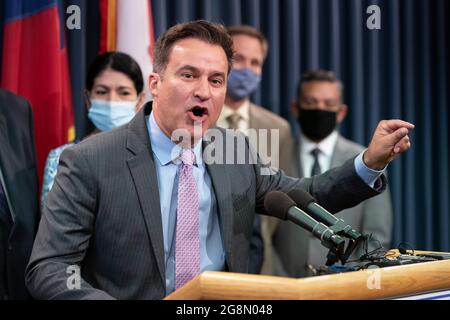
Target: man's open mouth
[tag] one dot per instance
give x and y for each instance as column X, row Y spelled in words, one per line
column 198, row 114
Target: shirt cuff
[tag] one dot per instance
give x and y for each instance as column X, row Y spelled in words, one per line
column 369, row 176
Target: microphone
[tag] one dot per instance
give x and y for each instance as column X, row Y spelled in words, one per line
column 279, row 205
column 307, row 203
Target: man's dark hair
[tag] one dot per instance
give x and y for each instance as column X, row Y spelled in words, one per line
column 321, row 76
column 251, row 32
column 212, row 33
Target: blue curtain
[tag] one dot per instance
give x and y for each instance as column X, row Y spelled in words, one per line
column 399, row 71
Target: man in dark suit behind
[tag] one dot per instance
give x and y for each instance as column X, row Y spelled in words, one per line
column 18, row 194
column 134, row 213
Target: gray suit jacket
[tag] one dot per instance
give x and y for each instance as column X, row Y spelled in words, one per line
column 296, row 248
column 261, row 118
column 103, row 214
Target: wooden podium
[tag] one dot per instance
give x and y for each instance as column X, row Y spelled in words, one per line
column 379, row 283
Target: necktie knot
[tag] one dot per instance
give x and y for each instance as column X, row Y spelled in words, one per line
column 233, row 120
column 315, row 153
column 187, row 157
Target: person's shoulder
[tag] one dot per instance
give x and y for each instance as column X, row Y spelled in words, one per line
column 13, row 104
column 55, row 153
column 272, row 119
column 52, row 161
column 102, row 144
column 11, row 97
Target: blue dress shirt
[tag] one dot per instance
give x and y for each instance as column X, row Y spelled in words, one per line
column 369, row 176
column 166, row 154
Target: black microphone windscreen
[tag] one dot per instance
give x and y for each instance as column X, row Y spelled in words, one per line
column 277, row 204
column 301, row 198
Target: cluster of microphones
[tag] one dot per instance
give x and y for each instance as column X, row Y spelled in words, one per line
column 302, row 209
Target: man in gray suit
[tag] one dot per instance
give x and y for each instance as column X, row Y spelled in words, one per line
column 251, row 48
column 318, row 148
column 135, row 213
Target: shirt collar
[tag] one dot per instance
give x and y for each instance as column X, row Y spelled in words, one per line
column 243, row 111
column 326, row 146
column 165, row 150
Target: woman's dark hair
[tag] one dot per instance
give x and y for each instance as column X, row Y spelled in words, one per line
column 117, row 61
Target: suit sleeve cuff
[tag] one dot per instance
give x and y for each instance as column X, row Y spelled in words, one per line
column 368, row 175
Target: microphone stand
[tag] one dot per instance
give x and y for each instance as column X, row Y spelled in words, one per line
column 337, row 249
column 355, row 238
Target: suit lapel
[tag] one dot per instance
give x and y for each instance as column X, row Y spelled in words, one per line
column 298, row 167
column 3, row 138
column 339, row 155
column 3, row 152
column 222, row 190
column 7, row 159
column 142, row 168
column 254, row 120
column 8, row 165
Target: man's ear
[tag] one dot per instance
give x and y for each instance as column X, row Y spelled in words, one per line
column 294, row 108
column 153, row 83
column 341, row 114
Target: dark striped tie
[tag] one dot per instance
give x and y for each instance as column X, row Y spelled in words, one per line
column 316, row 166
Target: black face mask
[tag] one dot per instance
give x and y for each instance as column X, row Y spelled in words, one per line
column 317, row 124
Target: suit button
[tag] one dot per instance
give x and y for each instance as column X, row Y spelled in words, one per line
column 10, row 247
column 5, row 297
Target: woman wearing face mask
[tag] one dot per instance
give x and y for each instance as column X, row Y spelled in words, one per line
column 114, row 93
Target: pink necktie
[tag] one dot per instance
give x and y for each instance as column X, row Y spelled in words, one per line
column 187, row 247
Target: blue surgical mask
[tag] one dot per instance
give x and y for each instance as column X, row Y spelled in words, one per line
column 242, row 83
column 107, row 115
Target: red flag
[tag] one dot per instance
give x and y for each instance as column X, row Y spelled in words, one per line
column 35, row 66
